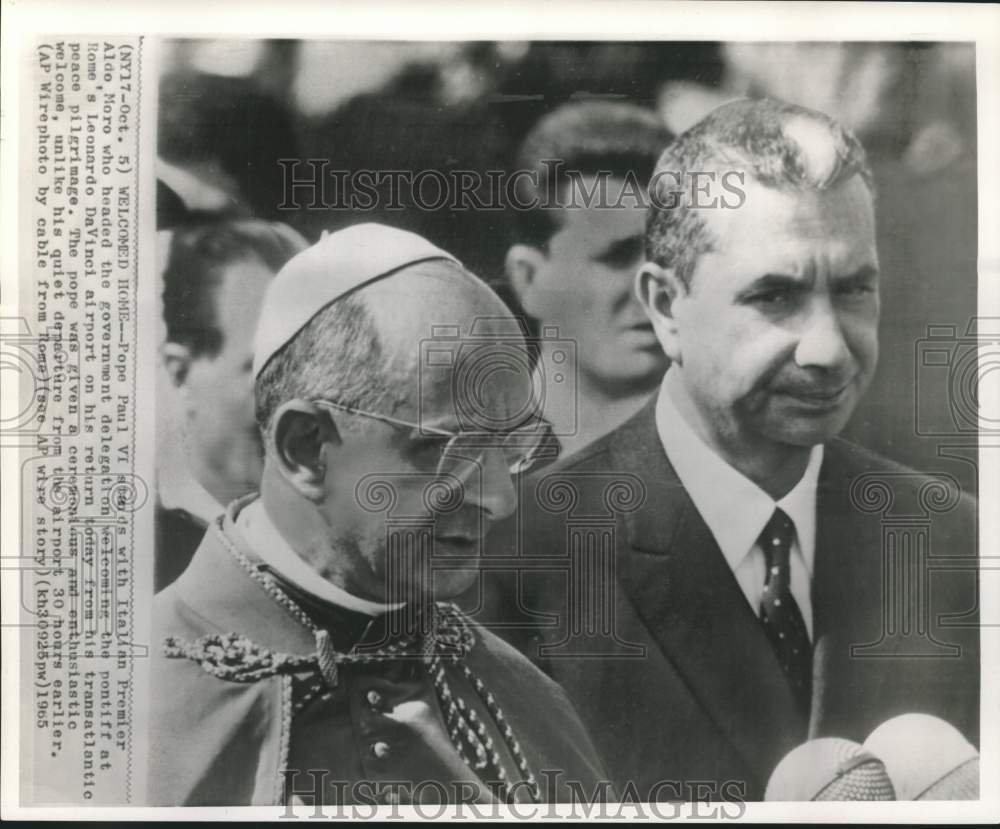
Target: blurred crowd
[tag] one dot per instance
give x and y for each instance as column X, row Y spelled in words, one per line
column 229, row 110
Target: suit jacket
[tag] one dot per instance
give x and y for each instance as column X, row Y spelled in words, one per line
column 219, row 736
column 178, row 534
column 625, row 599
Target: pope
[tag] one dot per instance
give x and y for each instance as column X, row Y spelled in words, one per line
column 309, row 651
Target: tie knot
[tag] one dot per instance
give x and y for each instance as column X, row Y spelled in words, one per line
column 776, row 539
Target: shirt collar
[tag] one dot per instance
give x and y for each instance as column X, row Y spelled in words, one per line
column 179, row 490
column 735, row 509
column 267, row 542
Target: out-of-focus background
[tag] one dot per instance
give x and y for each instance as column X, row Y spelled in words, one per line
column 229, row 109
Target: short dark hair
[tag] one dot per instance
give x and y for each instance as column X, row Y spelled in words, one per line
column 196, row 263
column 753, row 136
column 587, row 138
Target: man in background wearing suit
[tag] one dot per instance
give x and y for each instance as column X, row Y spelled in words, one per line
column 213, row 284
column 740, row 606
column 574, row 260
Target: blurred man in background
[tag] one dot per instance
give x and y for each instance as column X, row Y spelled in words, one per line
column 213, row 286
column 575, row 259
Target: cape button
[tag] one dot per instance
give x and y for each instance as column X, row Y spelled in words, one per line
column 380, row 750
column 374, row 699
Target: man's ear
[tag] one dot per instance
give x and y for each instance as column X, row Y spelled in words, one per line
column 657, row 289
column 177, row 361
column 523, row 265
column 298, row 445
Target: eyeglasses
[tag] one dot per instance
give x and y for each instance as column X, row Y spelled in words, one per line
column 459, row 454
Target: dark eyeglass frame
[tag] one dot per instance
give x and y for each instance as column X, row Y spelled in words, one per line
column 535, row 436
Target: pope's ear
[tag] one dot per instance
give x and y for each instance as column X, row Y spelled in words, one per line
column 523, row 264
column 658, row 289
column 298, row 444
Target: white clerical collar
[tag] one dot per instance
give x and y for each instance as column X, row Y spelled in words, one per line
column 177, row 489
column 735, row 509
column 267, row 542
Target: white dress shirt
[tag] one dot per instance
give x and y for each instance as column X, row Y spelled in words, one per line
column 178, row 489
column 267, row 541
column 736, row 510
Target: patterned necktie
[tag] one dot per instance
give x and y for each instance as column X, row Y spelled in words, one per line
column 780, row 615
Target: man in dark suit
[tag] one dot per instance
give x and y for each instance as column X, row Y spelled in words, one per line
column 721, row 578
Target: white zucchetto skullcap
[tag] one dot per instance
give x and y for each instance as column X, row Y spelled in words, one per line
column 336, row 265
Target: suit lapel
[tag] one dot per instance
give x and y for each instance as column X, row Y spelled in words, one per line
column 846, row 585
column 682, row 588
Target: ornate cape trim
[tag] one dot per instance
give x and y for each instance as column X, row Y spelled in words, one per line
column 235, row 658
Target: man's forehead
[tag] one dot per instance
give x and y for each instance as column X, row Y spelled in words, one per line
column 613, row 217
column 420, row 302
column 452, row 342
column 602, row 192
column 845, row 212
column 492, row 357
column 499, row 401
column 611, row 221
column 239, row 296
column 483, row 383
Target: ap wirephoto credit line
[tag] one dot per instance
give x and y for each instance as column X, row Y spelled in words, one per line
column 559, row 423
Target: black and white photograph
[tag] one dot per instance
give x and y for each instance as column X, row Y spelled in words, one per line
column 549, row 424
